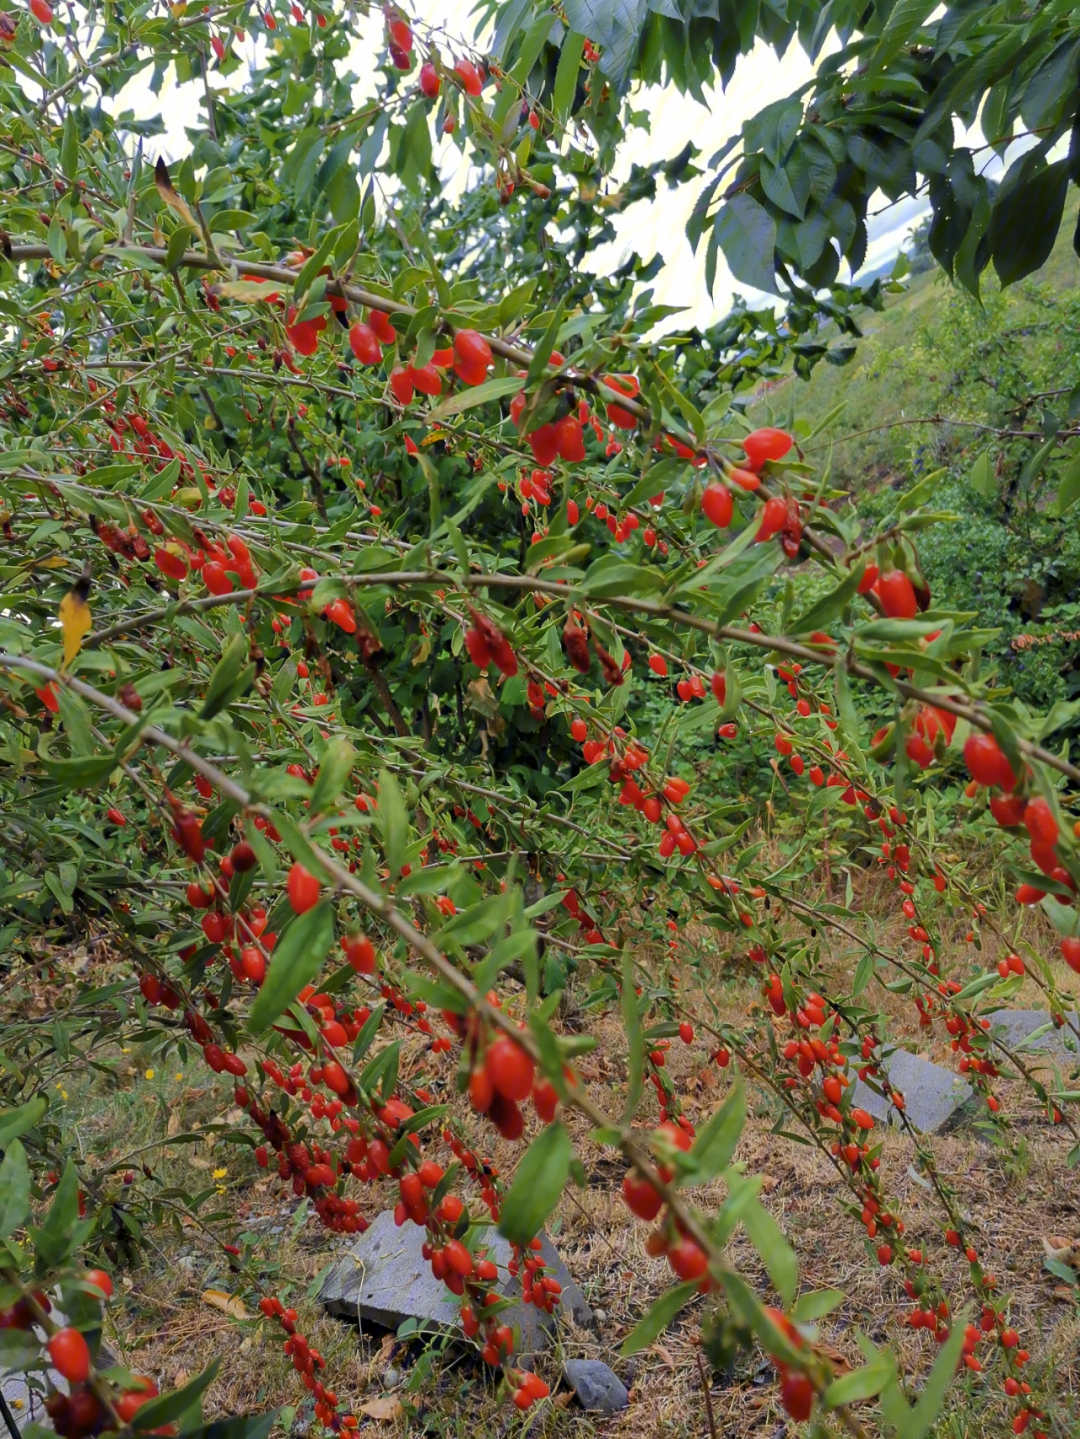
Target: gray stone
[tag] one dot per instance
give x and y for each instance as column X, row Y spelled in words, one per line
column 383, row 1278
column 25, row 1405
column 932, row 1094
column 1021, row 1029
column 598, row 1388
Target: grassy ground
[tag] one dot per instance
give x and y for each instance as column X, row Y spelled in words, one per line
column 163, row 1324
column 881, row 386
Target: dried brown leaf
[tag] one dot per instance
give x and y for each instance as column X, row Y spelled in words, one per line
column 388, row 1408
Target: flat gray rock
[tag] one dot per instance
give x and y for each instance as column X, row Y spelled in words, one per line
column 932, row 1094
column 1032, row 1029
column 598, row 1388
column 384, row 1279
column 25, row 1405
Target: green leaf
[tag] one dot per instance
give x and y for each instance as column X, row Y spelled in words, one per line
column 228, row 679
column 982, row 479
column 915, row 1423
column 816, row 1303
column 542, row 353
column 314, row 264
column 14, row 1122
column 635, row 1040
column 540, row 1179
column 658, row 1317
column 864, row 972
column 718, row 1139
column 473, row 395
column 14, row 1189
column 393, row 822
column 829, row 606
column 60, row 1235
column 1068, row 490
column 911, row 499
column 295, row 961
column 167, row 1407
column 861, row 1383
column 79, row 773
column 1026, row 217
column 177, row 246
column 904, row 21
column 566, row 75
column 335, row 766
column 776, row 1253
column 69, row 146
column 746, row 233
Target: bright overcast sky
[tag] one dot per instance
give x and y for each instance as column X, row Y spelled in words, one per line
column 648, row 226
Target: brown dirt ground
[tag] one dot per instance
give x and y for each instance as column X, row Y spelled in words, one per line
column 1015, row 1196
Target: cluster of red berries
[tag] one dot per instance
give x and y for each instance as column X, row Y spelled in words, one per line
column 488, row 645
column 307, row 1361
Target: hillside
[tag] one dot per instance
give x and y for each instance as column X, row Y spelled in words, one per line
column 907, row 365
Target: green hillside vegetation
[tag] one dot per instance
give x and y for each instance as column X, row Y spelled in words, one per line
column 1010, row 364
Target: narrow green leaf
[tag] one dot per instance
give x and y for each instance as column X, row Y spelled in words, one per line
column 659, row 1316
column 540, row 1179
column 1068, row 491
column 14, row 1189
column 473, row 395
column 635, row 1040
column 566, row 75
column 167, row 1407
column 14, row 1122
column 393, row 822
column 776, row 1253
column 296, row 960
column 829, row 606
column 335, row 766
column 718, row 1139
column 226, row 673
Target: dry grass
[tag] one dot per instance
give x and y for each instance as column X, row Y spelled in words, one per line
column 1014, row 1196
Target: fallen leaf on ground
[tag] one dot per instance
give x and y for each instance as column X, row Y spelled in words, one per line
column 836, row 1359
column 386, row 1348
column 227, row 1303
column 664, row 1354
column 382, row 1409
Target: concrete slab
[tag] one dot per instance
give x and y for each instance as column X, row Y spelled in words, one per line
column 1032, row 1029
column 932, row 1094
column 384, row 1279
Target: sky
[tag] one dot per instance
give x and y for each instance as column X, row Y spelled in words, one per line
column 648, row 226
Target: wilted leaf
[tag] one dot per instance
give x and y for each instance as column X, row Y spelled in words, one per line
column 75, row 618
column 388, row 1408
column 168, row 194
column 229, row 1304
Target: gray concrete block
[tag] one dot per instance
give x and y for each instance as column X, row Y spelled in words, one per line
column 1031, row 1029
column 384, row 1279
column 598, row 1388
column 932, row 1094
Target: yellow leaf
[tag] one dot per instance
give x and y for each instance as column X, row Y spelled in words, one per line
column 228, row 1303
column 75, row 618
